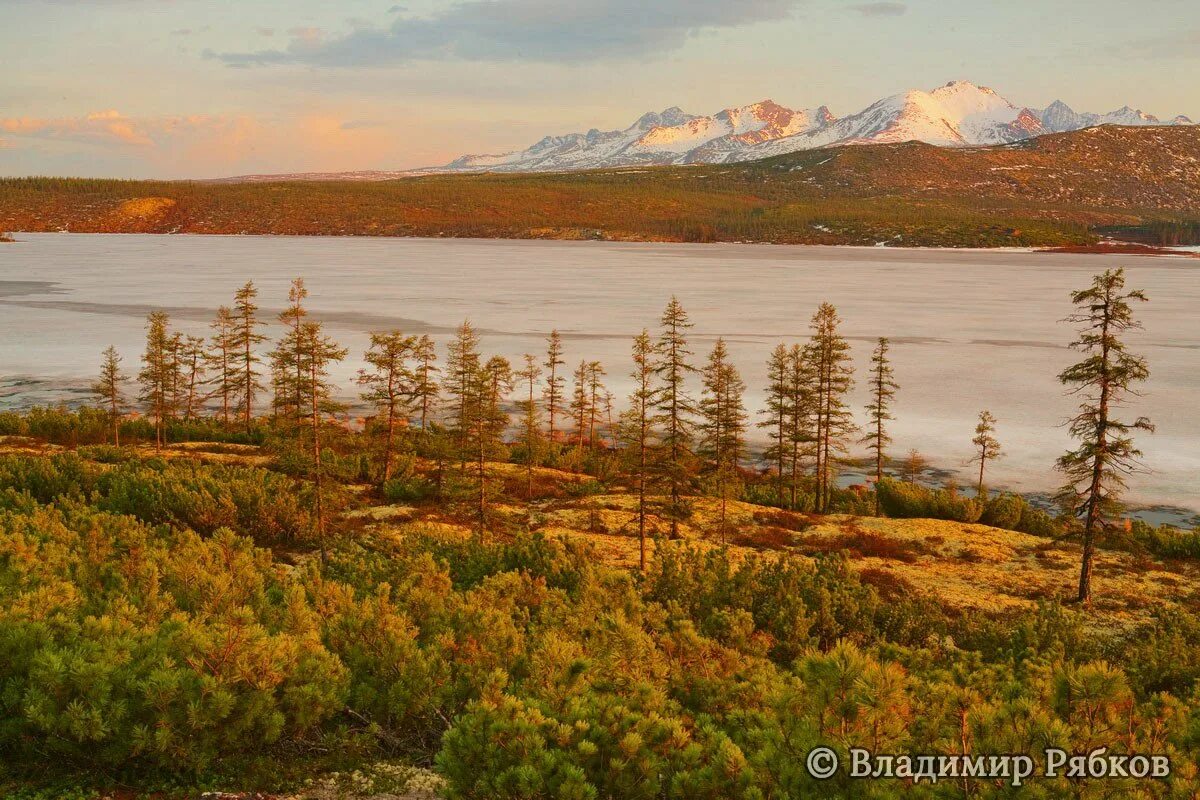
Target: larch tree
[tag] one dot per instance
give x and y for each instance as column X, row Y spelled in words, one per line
column 674, row 406
column 580, row 407
column 531, row 421
column 193, row 363
column 287, row 359
column 596, row 393
column 828, row 354
column 222, row 361
column 157, row 375
column 109, row 388
column 879, row 410
column 486, row 424
column 463, row 366
column 316, row 353
column 555, row 383
column 425, row 385
column 914, row 464
column 777, row 413
column 723, row 422
column 245, row 338
column 637, row 428
column 177, row 382
column 1096, row 470
column 987, row 446
column 388, row 386
column 800, row 435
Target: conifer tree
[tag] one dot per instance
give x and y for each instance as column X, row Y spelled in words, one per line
column 596, row 392
column 109, row 389
column 176, row 383
column 462, row 373
column 554, row 391
column 636, row 430
column 287, row 360
column 245, row 337
column 800, row 435
column 425, row 387
column 388, row 386
column 157, row 374
column 723, row 421
column 987, row 446
column 1097, row 469
column 486, row 424
column 828, row 353
column 530, row 420
column 222, row 361
column 879, row 410
column 192, row 358
column 674, row 405
column 778, row 412
column 914, row 465
column 315, row 353
column 580, row 407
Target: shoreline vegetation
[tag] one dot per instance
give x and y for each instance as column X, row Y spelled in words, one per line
column 510, row 584
column 1068, row 191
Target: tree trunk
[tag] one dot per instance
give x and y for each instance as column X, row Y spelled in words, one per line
column 642, row 492
column 1093, row 506
column 317, row 469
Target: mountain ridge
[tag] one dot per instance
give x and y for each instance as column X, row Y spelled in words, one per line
column 957, row 114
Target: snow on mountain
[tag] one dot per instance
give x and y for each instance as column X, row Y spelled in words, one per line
column 955, row 115
column 1058, row 117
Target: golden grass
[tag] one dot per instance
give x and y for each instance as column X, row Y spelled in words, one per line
column 962, row 566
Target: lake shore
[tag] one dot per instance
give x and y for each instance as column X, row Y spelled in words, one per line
column 972, row 329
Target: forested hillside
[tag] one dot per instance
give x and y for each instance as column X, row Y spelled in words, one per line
column 1062, row 189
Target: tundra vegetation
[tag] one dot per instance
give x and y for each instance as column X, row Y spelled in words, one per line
column 495, row 588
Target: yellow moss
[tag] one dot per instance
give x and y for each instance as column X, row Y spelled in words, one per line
column 143, row 208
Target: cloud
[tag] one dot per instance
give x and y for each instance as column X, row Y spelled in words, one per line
column 265, row 31
column 884, row 9
column 1183, row 43
column 360, row 124
column 190, row 31
column 547, row 31
column 305, row 34
column 112, row 128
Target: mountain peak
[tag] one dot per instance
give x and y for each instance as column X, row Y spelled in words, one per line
column 961, row 86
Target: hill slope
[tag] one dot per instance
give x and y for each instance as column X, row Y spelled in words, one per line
column 1053, row 190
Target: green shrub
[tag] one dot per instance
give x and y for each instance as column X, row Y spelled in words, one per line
column 906, row 500
column 416, row 489
column 1166, row 541
column 1003, row 511
column 1037, row 522
column 168, row 653
column 107, row 453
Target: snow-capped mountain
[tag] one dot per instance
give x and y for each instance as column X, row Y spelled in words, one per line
column 955, row 115
column 1059, row 117
column 666, row 137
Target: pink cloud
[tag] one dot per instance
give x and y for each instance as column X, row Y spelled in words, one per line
column 112, row 128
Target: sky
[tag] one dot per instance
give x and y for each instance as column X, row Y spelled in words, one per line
column 195, row 88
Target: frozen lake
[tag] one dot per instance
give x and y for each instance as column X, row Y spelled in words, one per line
column 970, row 329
